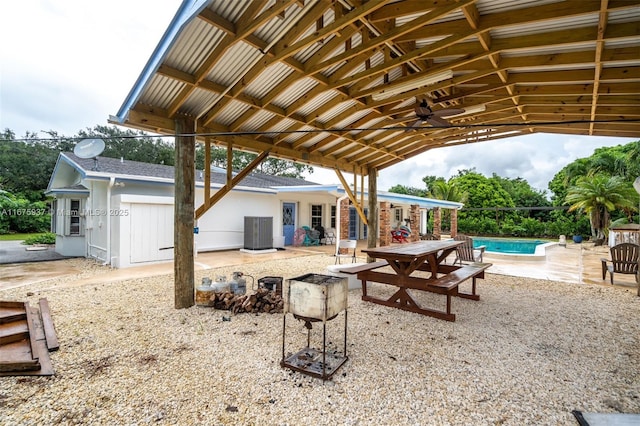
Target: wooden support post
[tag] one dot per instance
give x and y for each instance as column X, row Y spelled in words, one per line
column 184, row 192
column 207, row 173
column 229, row 162
column 372, row 223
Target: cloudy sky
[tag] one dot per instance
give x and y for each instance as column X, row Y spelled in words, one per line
column 66, row 65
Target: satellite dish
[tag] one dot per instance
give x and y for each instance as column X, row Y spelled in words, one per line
column 89, row 148
column 636, row 184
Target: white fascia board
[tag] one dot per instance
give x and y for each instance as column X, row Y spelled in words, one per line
column 338, row 190
column 144, row 199
column 55, row 170
column 306, row 188
column 422, row 202
column 62, row 191
column 240, row 188
column 426, row 203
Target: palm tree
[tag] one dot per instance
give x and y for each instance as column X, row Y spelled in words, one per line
column 442, row 190
column 598, row 195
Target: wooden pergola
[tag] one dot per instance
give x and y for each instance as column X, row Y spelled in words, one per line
column 335, row 84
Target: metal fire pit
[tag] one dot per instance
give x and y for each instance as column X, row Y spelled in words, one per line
column 314, row 298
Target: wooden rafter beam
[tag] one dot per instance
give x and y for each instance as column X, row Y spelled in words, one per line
column 352, row 197
column 602, row 25
column 220, row 193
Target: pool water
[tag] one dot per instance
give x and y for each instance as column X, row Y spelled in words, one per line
column 501, row 245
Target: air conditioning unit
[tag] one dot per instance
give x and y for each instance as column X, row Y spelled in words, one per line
column 258, row 233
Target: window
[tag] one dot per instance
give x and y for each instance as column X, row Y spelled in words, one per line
column 74, row 217
column 333, row 217
column 398, row 215
column 316, row 215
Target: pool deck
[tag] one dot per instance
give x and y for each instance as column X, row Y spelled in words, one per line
column 575, row 263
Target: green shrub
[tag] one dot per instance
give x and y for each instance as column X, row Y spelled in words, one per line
column 46, row 238
column 532, row 227
column 23, row 216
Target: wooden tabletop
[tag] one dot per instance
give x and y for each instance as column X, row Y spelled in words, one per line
column 417, row 249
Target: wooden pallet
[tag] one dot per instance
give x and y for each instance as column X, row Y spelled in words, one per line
column 27, row 335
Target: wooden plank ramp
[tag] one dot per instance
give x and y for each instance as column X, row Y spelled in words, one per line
column 27, row 334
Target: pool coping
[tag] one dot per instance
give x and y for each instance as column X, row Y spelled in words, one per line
column 540, row 253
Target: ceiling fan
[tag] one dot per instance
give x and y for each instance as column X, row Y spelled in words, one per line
column 426, row 115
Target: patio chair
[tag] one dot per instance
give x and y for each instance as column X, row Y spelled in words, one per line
column 311, row 238
column 429, row 237
column 321, row 233
column 346, row 249
column 299, row 236
column 400, row 235
column 624, row 260
column 466, row 252
column 330, row 236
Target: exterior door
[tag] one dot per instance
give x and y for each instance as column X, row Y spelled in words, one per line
column 151, row 232
column 354, row 224
column 288, row 222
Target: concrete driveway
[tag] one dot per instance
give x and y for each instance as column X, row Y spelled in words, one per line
column 21, row 265
column 16, row 252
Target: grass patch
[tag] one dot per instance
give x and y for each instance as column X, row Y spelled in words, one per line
column 20, row 237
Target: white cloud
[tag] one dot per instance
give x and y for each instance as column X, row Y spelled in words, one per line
column 68, row 65
column 536, row 158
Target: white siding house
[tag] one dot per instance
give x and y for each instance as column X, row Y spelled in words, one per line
column 121, row 212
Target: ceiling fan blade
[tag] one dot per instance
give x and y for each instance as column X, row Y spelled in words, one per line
column 422, row 111
column 414, row 125
column 438, row 122
column 448, row 112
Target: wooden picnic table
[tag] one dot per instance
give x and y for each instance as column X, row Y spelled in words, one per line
column 425, row 256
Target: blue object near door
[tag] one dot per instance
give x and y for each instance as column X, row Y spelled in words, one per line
column 288, row 222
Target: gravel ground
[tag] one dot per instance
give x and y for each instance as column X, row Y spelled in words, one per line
column 528, row 353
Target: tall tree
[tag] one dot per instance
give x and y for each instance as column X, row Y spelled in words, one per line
column 448, row 191
column 132, row 145
column 25, row 167
column 408, row 190
column 240, row 159
column 430, row 181
column 524, row 195
column 598, row 195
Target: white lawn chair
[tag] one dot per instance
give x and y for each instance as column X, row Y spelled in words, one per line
column 346, row 249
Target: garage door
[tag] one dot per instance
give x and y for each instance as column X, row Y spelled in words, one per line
column 151, row 232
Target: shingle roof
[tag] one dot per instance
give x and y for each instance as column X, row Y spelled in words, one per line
column 115, row 166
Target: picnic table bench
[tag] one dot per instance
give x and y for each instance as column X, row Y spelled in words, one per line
column 354, row 269
column 427, row 256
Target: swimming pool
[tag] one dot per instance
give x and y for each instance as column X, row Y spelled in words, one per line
column 501, row 245
column 529, row 249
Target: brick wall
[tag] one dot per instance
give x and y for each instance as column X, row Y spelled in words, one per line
column 454, row 222
column 344, row 220
column 385, row 223
column 414, row 222
column 437, row 222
